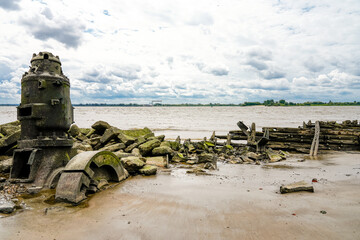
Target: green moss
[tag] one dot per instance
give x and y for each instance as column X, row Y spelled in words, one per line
column 229, row 147
column 137, row 132
column 209, row 144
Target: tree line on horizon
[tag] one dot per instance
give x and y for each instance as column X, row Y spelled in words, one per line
column 269, row 102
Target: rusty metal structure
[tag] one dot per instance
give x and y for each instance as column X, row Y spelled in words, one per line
column 45, row 157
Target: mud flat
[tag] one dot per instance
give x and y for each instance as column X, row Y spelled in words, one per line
column 235, row 202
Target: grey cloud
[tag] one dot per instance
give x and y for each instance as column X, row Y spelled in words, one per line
column 127, row 72
column 47, row 13
column 10, row 4
column 260, row 54
column 259, row 65
column 101, row 75
column 218, row 71
column 67, row 32
column 273, row 75
column 214, row 70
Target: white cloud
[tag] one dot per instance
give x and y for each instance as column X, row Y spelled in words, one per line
column 188, row 51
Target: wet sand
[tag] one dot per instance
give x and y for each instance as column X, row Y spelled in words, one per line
column 236, row 202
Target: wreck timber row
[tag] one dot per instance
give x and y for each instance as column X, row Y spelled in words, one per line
column 343, row 136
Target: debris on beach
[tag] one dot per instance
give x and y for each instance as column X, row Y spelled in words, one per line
column 308, row 138
column 297, row 187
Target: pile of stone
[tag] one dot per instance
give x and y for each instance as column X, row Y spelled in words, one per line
column 141, row 152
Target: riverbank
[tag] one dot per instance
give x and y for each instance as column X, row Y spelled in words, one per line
column 236, row 202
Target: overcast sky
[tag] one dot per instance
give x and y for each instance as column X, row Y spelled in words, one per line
column 228, row 51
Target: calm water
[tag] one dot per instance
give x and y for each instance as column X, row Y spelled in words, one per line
column 199, row 122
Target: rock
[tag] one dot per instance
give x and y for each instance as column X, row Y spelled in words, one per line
column 254, row 156
column 209, row 144
column 138, row 132
column 273, row 156
column 113, row 148
column 178, row 157
column 74, row 130
column 81, row 137
column 136, row 152
column 91, row 132
column 156, row 161
column 229, row 147
column 6, row 205
column 148, row 170
column 190, row 147
column 148, row 146
column 8, row 129
column 132, row 164
column 127, row 140
column 102, row 183
column 137, row 143
column 100, row 127
column 149, row 135
column 34, row 190
column 120, row 154
column 5, row 165
column 161, row 151
column 109, row 134
column 210, row 166
column 174, row 145
column 191, row 162
column 296, row 187
column 85, row 131
column 165, row 144
column 82, row 146
column 94, row 141
column 8, row 142
column 161, row 138
column 205, row 157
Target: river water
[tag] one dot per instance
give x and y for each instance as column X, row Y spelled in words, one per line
column 199, row 122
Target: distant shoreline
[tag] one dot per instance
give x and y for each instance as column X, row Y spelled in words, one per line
column 246, row 104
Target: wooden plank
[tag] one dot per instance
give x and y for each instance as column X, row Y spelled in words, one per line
column 315, row 144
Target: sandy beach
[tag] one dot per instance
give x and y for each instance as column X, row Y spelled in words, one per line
column 235, row 202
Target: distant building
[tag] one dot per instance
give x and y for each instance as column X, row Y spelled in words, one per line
column 156, row 102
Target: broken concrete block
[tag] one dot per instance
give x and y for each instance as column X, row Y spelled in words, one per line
column 297, row 187
column 6, row 206
column 148, row 146
column 127, row 140
column 162, row 150
column 74, row 130
column 113, row 148
column 156, row 161
column 100, row 126
column 148, row 170
column 109, row 134
column 132, row 164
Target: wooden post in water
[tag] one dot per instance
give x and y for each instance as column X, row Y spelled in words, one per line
column 228, row 139
column 315, row 142
column 212, row 138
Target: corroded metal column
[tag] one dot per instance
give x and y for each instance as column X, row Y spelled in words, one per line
column 45, row 114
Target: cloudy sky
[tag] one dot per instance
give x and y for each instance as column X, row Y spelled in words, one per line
column 226, row 51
